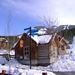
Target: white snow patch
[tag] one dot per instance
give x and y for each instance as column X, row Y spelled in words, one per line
column 12, row 52
column 19, row 71
column 13, row 62
column 2, row 51
column 42, row 39
column 3, row 60
column 42, row 31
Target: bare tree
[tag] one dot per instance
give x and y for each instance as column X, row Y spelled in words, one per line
column 49, row 22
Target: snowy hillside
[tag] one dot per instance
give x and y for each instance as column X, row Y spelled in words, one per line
column 64, row 27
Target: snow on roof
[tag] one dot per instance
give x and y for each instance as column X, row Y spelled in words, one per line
column 38, row 39
column 41, row 31
column 14, row 44
column 19, row 36
column 35, row 38
column 3, row 39
column 41, row 39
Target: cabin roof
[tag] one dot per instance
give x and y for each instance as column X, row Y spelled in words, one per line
column 43, row 39
column 37, row 39
column 14, row 44
column 24, row 34
column 3, row 39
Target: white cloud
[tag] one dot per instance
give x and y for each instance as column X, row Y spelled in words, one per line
column 61, row 9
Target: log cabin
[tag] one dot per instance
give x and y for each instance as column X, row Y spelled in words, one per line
column 44, row 49
column 22, row 49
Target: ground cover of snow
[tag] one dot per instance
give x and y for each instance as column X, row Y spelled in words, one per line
column 14, row 70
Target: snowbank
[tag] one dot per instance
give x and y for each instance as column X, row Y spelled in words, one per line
column 2, row 51
column 19, row 71
column 3, row 60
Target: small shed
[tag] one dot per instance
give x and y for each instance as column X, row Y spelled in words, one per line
column 44, row 49
column 3, row 43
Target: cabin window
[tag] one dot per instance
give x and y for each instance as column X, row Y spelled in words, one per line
column 26, row 53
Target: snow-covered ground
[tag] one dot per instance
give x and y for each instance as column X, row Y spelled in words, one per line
column 19, row 69
column 64, row 63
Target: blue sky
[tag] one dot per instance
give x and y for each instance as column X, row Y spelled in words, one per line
column 24, row 13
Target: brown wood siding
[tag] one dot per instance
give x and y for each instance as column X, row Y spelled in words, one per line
column 43, row 51
column 20, row 51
